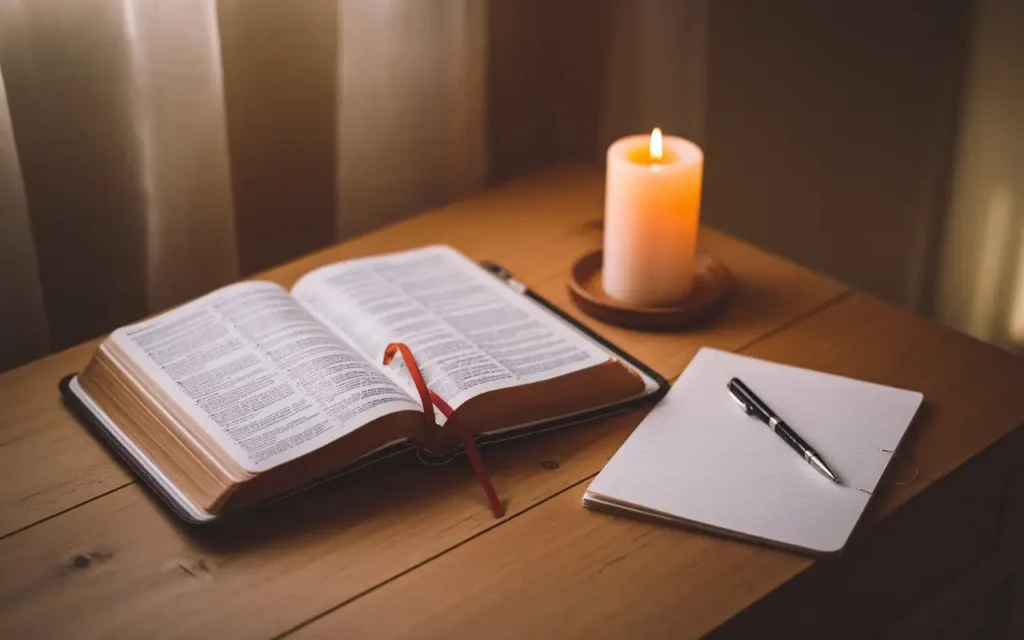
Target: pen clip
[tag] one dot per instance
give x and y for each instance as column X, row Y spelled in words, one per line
column 747, row 409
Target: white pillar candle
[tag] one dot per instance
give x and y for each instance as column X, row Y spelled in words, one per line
column 651, row 215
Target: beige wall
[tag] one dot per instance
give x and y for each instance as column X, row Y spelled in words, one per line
column 829, row 127
column 881, row 143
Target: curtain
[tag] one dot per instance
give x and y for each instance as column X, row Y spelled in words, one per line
column 151, row 151
column 980, row 288
column 23, row 328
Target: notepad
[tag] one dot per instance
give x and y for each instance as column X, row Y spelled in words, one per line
column 698, row 460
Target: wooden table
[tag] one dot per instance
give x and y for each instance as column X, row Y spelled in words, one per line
column 402, row 549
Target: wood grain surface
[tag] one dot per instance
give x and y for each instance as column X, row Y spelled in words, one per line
column 400, row 548
column 588, row 574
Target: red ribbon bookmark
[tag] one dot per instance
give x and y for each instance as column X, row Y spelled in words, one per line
column 430, row 399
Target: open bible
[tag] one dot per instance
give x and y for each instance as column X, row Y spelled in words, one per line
column 253, row 391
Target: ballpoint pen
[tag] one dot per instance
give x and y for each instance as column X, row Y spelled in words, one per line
column 754, row 407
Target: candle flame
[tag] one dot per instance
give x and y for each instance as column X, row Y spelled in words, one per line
column 656, row 144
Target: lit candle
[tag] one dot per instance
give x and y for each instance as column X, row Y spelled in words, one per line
column 651, row 213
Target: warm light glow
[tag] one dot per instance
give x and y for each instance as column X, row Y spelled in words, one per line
column 656, row 144
column 992, row 257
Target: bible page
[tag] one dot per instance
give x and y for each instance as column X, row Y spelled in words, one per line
column 469, row 332
column 263, row 377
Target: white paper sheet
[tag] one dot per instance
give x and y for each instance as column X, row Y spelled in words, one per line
column 698, row 458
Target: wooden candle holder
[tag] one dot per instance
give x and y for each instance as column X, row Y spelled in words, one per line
column 710, row 284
